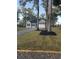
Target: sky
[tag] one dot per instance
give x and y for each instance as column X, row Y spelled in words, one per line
column 29, row 5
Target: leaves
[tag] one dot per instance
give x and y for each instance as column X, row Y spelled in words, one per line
column 23, row 2
column 56, row 2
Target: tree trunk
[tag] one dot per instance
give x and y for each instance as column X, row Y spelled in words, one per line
column 46, row 9
column 38, row 15
column 49, row 15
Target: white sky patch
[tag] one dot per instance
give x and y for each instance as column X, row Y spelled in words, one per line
column 59, row 20
column 20, row 16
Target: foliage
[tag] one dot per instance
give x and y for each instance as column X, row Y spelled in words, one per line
column 42, row 15
column 44, row 4
column 23, row 2
column 56, row 2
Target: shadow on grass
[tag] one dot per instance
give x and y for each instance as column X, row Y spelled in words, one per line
column 44, row 32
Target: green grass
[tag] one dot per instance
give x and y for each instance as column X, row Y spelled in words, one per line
column 35, row 41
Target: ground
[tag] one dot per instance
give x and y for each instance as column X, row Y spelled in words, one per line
column 35, row 41
column 20, row 28
column 38, row 55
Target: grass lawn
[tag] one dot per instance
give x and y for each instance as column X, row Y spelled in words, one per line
column 20, row 28
column 35, row 41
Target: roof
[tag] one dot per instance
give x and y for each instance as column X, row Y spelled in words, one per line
column 33, row 21
column 42, row 21
column 28, row 22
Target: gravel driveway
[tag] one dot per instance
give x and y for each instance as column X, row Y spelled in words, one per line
column 35, row 55
column 24, row 31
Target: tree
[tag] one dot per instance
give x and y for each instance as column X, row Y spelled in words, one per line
column 56, row 2
column 36, row 5
column 26, row 16
column 47, row 4
column 53, row 14
column 17, row 15
column 49, row 15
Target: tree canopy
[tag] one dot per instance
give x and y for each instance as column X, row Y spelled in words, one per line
column 56, row 2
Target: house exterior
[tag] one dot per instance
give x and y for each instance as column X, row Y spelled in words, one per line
column 34, row 24
column 31, row 24
column 28, row 24
column 42, row 24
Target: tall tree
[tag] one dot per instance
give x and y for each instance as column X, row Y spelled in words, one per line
column 45, row 6
column 38, row 15
column 49, row 15
column 53, row 14
column 36, row 5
